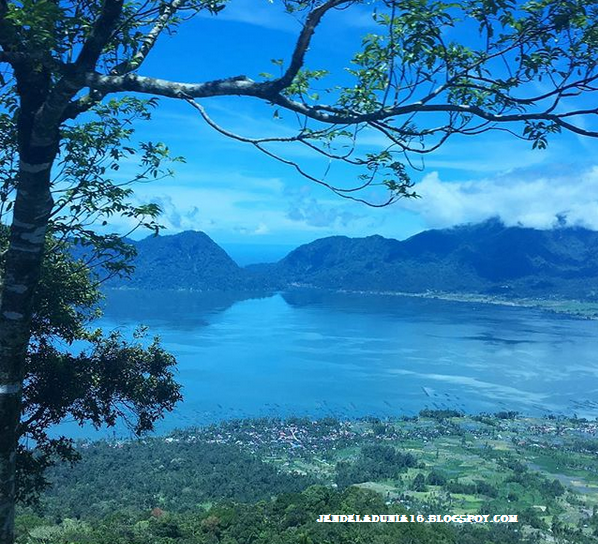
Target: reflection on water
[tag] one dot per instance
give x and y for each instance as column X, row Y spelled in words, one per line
column 315, row 353
column 167, row 309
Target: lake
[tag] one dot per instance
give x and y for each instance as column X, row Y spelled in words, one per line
column 315, row 353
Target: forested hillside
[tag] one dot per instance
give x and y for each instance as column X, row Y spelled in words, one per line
column 189, row 260
column 488, row 258
column 269, row 480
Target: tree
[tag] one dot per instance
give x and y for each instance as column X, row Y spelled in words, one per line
column 111, row 378
column 419, row 482
column 435, row 478
column 410, row 84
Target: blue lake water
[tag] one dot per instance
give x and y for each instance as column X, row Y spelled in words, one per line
column 315, row 353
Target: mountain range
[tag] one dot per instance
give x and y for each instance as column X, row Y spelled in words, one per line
column 486, row 258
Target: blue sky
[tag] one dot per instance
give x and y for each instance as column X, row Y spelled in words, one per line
column 238, row 196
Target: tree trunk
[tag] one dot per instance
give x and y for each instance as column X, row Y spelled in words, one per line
column 32, row 209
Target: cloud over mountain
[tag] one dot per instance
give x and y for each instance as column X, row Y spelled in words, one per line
column 523, row 197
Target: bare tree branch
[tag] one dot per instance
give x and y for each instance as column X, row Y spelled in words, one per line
column 81, row 105
column 148, row 41
column 53, row 112
column 243, row 86
column 303, row 42
column 100, row 35
column 258, row 144
column 239, row 85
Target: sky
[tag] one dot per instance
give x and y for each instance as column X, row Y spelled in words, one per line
column 240, row 197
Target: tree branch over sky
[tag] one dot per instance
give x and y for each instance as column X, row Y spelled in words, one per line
column 519, row 72
column 428, row 71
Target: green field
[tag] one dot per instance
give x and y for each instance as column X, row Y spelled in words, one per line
column 543, row 470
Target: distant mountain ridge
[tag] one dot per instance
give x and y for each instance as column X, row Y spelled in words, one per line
column 486, row 258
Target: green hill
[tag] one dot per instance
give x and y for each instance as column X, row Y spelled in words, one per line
column 487, row 258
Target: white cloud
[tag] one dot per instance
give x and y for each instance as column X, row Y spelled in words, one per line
column 270, row 15
column 261, row 13
column 305, row 209
column 237, row 206
column 521, row 197
column 261, row 229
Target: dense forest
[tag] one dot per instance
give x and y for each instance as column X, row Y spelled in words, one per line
column 487, row 258
column 270, row 480
column 290, row 518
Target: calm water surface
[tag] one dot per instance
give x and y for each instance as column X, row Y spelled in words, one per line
column 313, row 353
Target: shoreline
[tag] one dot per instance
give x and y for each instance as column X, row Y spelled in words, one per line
column 570, row 307
column 575, row 308
column 587, row 425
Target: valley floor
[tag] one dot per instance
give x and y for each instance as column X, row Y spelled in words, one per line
column 278, row 476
